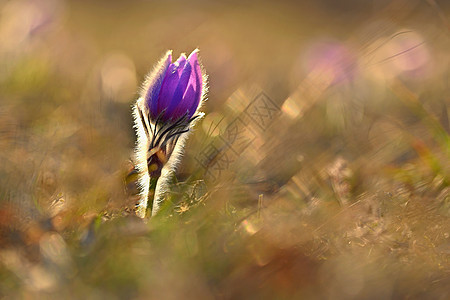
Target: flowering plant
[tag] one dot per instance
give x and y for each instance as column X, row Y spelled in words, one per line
column 165, row 112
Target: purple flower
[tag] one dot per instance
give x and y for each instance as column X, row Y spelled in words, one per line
column 163, row 115
column 175, row 89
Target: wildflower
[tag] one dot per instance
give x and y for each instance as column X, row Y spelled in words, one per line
column 164, row 114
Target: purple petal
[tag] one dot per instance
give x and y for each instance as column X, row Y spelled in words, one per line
column 178, row 106
column 169, row 85
column 181, row 61
column 194, row 90
column 151, row 97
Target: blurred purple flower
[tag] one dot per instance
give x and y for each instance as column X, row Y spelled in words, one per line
column 175, row 90
column 334, row 59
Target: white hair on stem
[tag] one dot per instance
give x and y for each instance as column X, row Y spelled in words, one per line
column 145, row 131
column 169, row 168
column 140, row 160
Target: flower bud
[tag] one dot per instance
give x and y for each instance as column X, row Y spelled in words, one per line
column 176, row 88
column 164, row 113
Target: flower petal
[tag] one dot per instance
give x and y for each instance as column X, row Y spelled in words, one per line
column 169, row 85
column 195, row 85
column 155, row 82
column 178, row 107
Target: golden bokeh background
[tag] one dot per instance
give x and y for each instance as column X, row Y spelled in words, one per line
column 321, row 169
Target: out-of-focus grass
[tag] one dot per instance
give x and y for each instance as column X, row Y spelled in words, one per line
column 342, row 193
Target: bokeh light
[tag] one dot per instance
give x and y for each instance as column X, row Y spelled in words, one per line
column 320, row 170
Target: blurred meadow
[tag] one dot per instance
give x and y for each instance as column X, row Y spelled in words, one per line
column 321, row 169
